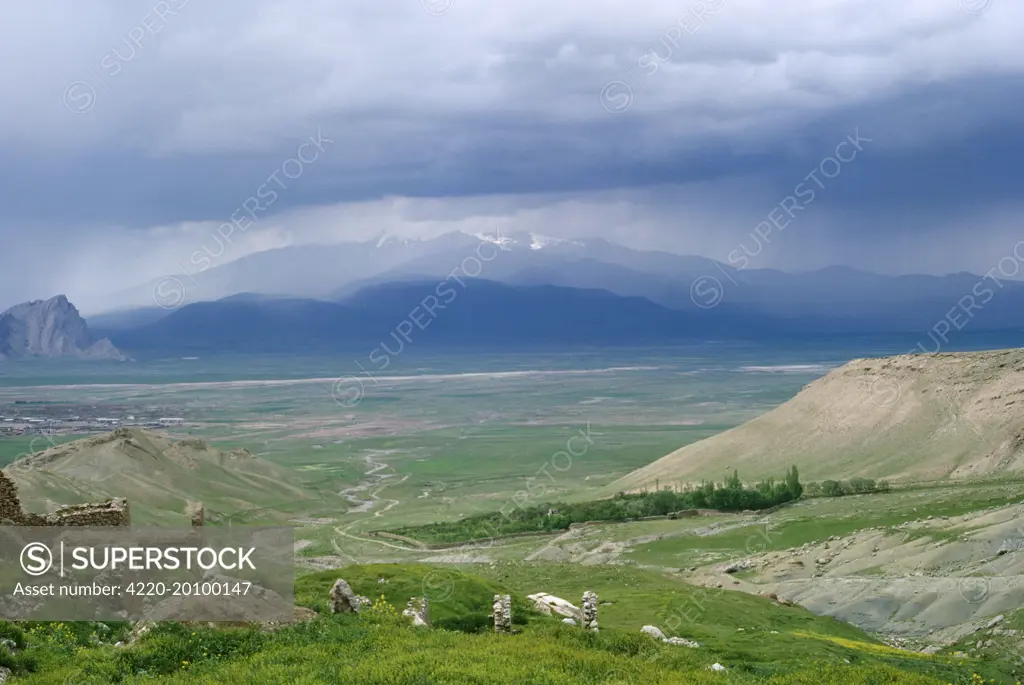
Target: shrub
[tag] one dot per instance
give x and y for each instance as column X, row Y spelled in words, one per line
column 170, row 647
column 478, row 622
column 9, row 631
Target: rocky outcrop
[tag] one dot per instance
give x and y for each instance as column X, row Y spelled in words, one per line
column 343, row 599
column 51, row 328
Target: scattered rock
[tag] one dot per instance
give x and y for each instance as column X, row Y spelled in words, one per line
column 681, row 642
column 653, row 632
column 5, row 673
column 569, row 621
column 546, row 604
column 1007, row 547
column 139, row 630
column 343, row 600
column 738, row 566
column 995, row 621
column 417, row 609
column 718, row 667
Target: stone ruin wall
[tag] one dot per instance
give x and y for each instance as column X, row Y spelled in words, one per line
column 113, row 512
column 10, row 505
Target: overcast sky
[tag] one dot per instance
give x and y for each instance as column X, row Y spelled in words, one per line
column 131, row 130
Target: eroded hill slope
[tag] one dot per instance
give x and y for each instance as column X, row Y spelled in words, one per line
column 158, row 475
column 909, row 417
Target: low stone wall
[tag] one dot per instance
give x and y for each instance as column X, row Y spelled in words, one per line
column 113, row 512
column 110, row 513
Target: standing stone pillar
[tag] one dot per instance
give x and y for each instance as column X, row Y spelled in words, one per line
column 196, row 513
column 502, row 613
column 590, row 611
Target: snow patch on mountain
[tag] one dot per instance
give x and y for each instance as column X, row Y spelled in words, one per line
column 502, row 241
column 539, row 242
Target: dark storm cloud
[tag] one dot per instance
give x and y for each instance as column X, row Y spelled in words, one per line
column 139, row 119
column 960, row 163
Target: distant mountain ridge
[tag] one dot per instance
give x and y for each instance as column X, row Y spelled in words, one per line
column 393, row 316
column 51, row 328
column 848, row 300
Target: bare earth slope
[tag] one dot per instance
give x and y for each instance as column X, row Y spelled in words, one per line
column 913, row 417
column 157, row 475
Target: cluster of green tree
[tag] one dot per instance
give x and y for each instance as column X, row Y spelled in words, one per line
column 854, row 486
column 731, row 495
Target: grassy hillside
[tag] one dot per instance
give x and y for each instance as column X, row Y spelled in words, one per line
column 157, row 475
column 778, row 645
column 458, row 600
column 915, row 417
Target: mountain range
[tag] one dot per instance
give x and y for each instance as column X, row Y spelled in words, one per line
column 853, row 301
column 392, row 316
column 504, row 291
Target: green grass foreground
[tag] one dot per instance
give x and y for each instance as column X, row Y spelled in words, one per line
column 778, row 645
column 378, row 651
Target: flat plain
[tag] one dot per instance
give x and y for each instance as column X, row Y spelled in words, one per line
column 441, row 438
